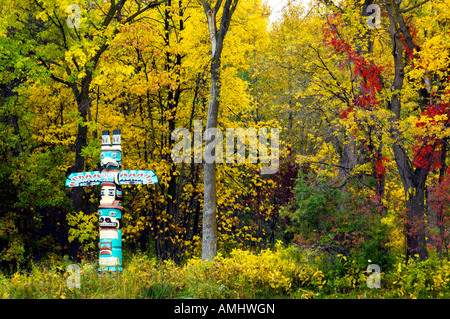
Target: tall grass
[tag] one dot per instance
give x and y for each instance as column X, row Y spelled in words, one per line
column 285, row 272
column 49, row 280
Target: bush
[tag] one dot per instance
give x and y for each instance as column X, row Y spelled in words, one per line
column 344, row 275
column 419, row 279
column 249, row 275
column 341, row 221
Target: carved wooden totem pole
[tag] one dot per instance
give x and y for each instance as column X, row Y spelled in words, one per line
column 111, row 179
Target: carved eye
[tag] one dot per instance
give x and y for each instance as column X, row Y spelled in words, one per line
column 113, row 155
column 102, row 155
column 112, row 214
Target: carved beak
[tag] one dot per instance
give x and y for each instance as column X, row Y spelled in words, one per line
column 108, row 162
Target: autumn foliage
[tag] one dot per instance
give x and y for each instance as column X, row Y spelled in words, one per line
column 363, row 114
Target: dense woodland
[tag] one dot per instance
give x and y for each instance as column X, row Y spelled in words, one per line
column 363, row 114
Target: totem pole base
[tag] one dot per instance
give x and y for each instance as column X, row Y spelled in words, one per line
column 110, row 271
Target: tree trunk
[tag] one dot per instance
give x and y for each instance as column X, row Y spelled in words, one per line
column 209, row 239
column 440, row 214
column 83, row 104
column 413, row 179
column 415, row 217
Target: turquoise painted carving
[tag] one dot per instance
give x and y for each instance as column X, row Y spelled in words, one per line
column 111, row 179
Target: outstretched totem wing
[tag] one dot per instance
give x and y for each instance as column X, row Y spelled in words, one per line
column 132, row 177
column 87, row 179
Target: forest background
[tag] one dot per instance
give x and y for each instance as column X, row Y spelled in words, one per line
column 363, row 114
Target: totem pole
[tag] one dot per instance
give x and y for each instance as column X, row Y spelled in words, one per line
column 111, row 179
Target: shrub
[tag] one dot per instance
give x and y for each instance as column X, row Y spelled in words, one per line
column 344, row 275
column 419, row 279
column 249, row 275
column 339, row 221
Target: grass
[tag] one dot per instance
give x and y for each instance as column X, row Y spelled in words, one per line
column 242, row 275
column 49, row 280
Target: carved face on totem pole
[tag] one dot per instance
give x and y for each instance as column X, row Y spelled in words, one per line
column 111, row 155
column 110, row 220
column 105, row 248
